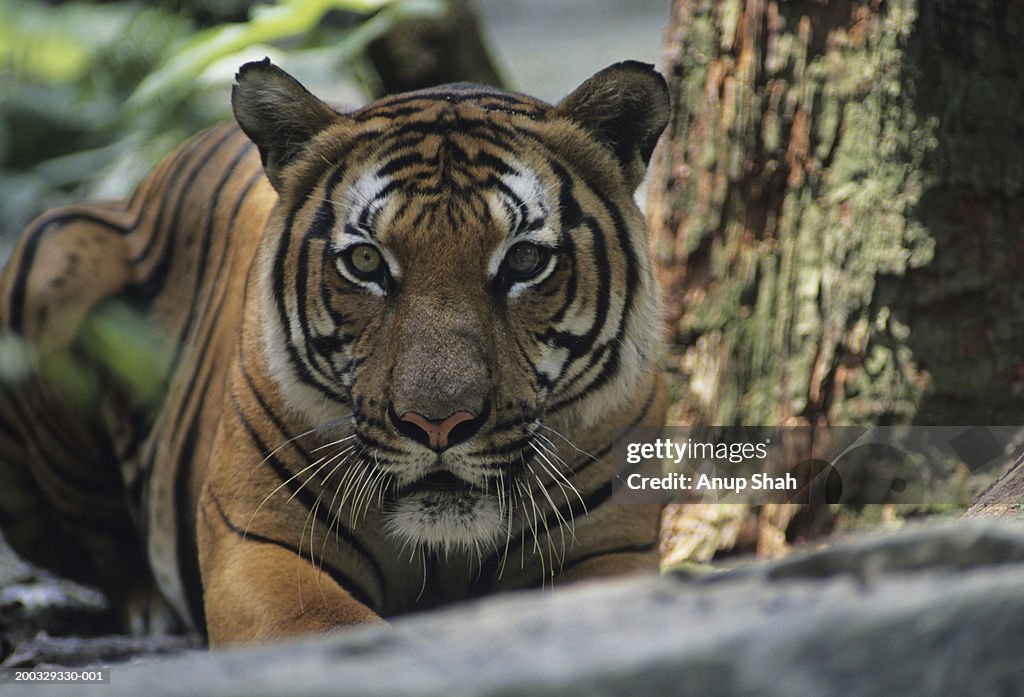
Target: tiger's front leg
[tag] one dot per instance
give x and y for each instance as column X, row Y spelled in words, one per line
column 259, row 583
column 255, row 590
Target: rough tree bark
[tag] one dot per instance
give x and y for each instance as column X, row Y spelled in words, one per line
column 838, row 212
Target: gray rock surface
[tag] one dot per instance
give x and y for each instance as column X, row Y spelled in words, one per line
column 930, row 610
column 35, row 606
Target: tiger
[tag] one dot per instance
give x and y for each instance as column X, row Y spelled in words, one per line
column 392, row 347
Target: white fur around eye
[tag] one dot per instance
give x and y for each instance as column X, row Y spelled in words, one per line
column 364, row 196
column 364, row 200
column 522, row 206
column 352, row 241
column 516, row 289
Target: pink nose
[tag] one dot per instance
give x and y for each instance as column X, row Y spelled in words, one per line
column 437, row 431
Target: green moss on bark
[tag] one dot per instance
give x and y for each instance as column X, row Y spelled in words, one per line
column 838, row 210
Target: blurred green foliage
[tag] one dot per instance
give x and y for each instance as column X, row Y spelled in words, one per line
column 93, row 94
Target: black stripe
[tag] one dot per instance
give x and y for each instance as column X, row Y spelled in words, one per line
column 511, row 448
column 553, row 520
column 202, row 257
column 301, row 284
column 571, row 217
column 397, row 145
column 188, row 566
column 570, row 565
column 398, row 163
column 167, row 183
column 300, row 368
column 492, row 161
column 323, row 223
column 33, row 238
column 414, row 102
column 540, row 380
column 308, row 499
column 63, row 458
column 280, row 298
column 579, row 345
column 188, row 551
column 482, row 129
column 337, row 575
column 143, row 293
column 632, row 280
column 305, row 495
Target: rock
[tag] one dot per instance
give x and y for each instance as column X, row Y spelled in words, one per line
column 51, row 604
column 45, row 652
column 930, row 610
column 49, row 622
column 35, row 605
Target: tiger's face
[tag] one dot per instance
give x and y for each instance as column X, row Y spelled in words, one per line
column 462, row 273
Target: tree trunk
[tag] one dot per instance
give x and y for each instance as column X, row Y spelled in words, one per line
column 837, row 213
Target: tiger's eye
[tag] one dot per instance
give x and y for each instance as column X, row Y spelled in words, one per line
column 365, row 259
column 524, row 258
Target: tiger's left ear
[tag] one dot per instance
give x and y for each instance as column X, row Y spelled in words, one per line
column 625, row 106
column 278, row 114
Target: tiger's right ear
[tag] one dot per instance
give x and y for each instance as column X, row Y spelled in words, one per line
column 625, row 107
column 278, row 114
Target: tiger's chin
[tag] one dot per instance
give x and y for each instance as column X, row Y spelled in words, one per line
column 441, row 521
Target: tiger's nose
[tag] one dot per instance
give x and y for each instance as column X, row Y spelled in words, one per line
column 438, row 435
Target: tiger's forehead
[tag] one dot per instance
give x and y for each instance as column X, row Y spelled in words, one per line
column 458, row 236
column 458, row 170
column 459, row 97
column 473, row 162
column 454, row 139
column 514, row 198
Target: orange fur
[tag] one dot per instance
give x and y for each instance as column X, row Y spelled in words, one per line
column 283, row 479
